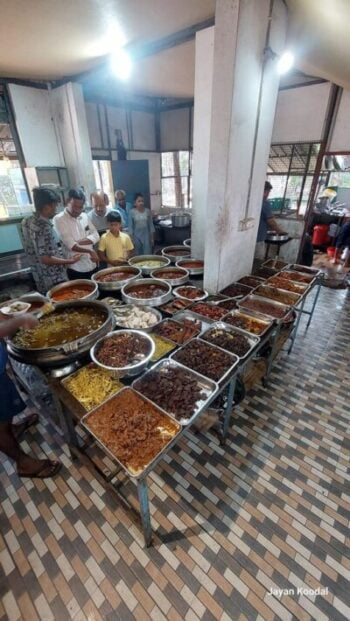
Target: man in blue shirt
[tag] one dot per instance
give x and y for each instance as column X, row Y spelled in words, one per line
column 123, row 208
column 267, row 221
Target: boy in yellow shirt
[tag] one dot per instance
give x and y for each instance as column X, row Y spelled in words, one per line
column 115, row 247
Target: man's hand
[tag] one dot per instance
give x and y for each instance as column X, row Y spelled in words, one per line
column 84, row 242
column 28, row 322
column 73, row 259
column 117, row 262
column 94, row 256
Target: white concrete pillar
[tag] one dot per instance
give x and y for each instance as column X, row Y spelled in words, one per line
column 243, row 101
column 70, row 120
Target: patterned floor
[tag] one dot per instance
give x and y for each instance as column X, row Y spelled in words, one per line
column 235, row 525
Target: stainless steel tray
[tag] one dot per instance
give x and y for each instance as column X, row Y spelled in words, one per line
column 193, row 271
column 245, row 290
column 293, row 296
column 253, row 340
column 185, row 314
column 295, row 267
column 122, row 310
column 275, row 264
column 310, row 277
column 303, row 286
column 262, row 318
column 152, row 463
column 206, row 385
column 174, row 282
column 240, row 281
column 167, row 338
column 148, row 257
column 258, row 298
column 227, row 374
column 204, row 317
column 158, row 301
column 115, row 285
column 217, row 298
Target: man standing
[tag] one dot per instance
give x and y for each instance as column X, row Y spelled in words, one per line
column 40, row 242
column 267, row 221
column 123, row 208
column 77, row 234
column 100, row 210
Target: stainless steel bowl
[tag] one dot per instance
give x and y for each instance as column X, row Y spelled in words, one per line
column 115, row 285
column 157, row 301
column 124, row 311
column 172, row 281
column 184, row 253
column 177, row 294
column 134, row 261
column 131, row 369
column 80, row 281
column 193, row 271
column 187, row 243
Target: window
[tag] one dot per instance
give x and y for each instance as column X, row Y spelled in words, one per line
column 14, row 199
column 176, row 170
column 290, row 171
column 103, row 178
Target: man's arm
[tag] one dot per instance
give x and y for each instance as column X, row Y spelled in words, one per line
column 273, row 226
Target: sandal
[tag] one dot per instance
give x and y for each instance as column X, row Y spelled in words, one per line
column 46, row 469
column 22, row 427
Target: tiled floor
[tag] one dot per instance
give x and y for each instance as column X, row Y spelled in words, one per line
column 269, row 511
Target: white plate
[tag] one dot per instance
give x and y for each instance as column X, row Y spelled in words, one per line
column 11, row 309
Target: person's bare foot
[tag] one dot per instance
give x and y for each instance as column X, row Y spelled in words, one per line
column 37, row 468
column 20, row 428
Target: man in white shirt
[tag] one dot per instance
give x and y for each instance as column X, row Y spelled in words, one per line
column 99, row 211
column 78, row 235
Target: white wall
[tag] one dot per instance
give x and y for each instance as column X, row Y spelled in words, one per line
column 300, row 113
column 69, row 110
column 35, row 126
column 175, row 129
column 143, row 130
column 340, row 140
column 154, row 175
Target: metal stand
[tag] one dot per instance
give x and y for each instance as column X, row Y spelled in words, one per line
column 142, row 491
column 228, row 410
column 302, row 311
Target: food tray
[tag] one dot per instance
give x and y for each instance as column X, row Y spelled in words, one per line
column 225, row 376
column 216, row 298
column 293, row 297
column 266, row 322
column 243, row 290
column 283, row 283
column 174, row 424
column 168, row 338
column 192, row 317
column 231, row 301
column 177, row 294
column 253, row 340
column 258, row 298
column 251, row 281
column 309, row 279
column 205, row 317
column 193, row 271
column 118, row 385
column 164, row 307
column 265, row 273
column 148, row 257
column 207, row 385
column 276, row 264
column 313, row 271
column 174, row 282
column 156, row 301
column 172, row 346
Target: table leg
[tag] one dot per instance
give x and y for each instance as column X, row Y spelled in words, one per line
column 228, row 410
column 314, row 304
column 295, row 329
column 144, row 511
column 272, row 354
column 267, row 250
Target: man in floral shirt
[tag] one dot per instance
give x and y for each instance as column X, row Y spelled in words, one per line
column 40, row 243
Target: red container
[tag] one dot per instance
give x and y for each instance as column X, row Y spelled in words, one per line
column 331, row 251
column 320, row 235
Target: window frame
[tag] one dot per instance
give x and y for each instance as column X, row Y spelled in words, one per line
column 188, row 176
